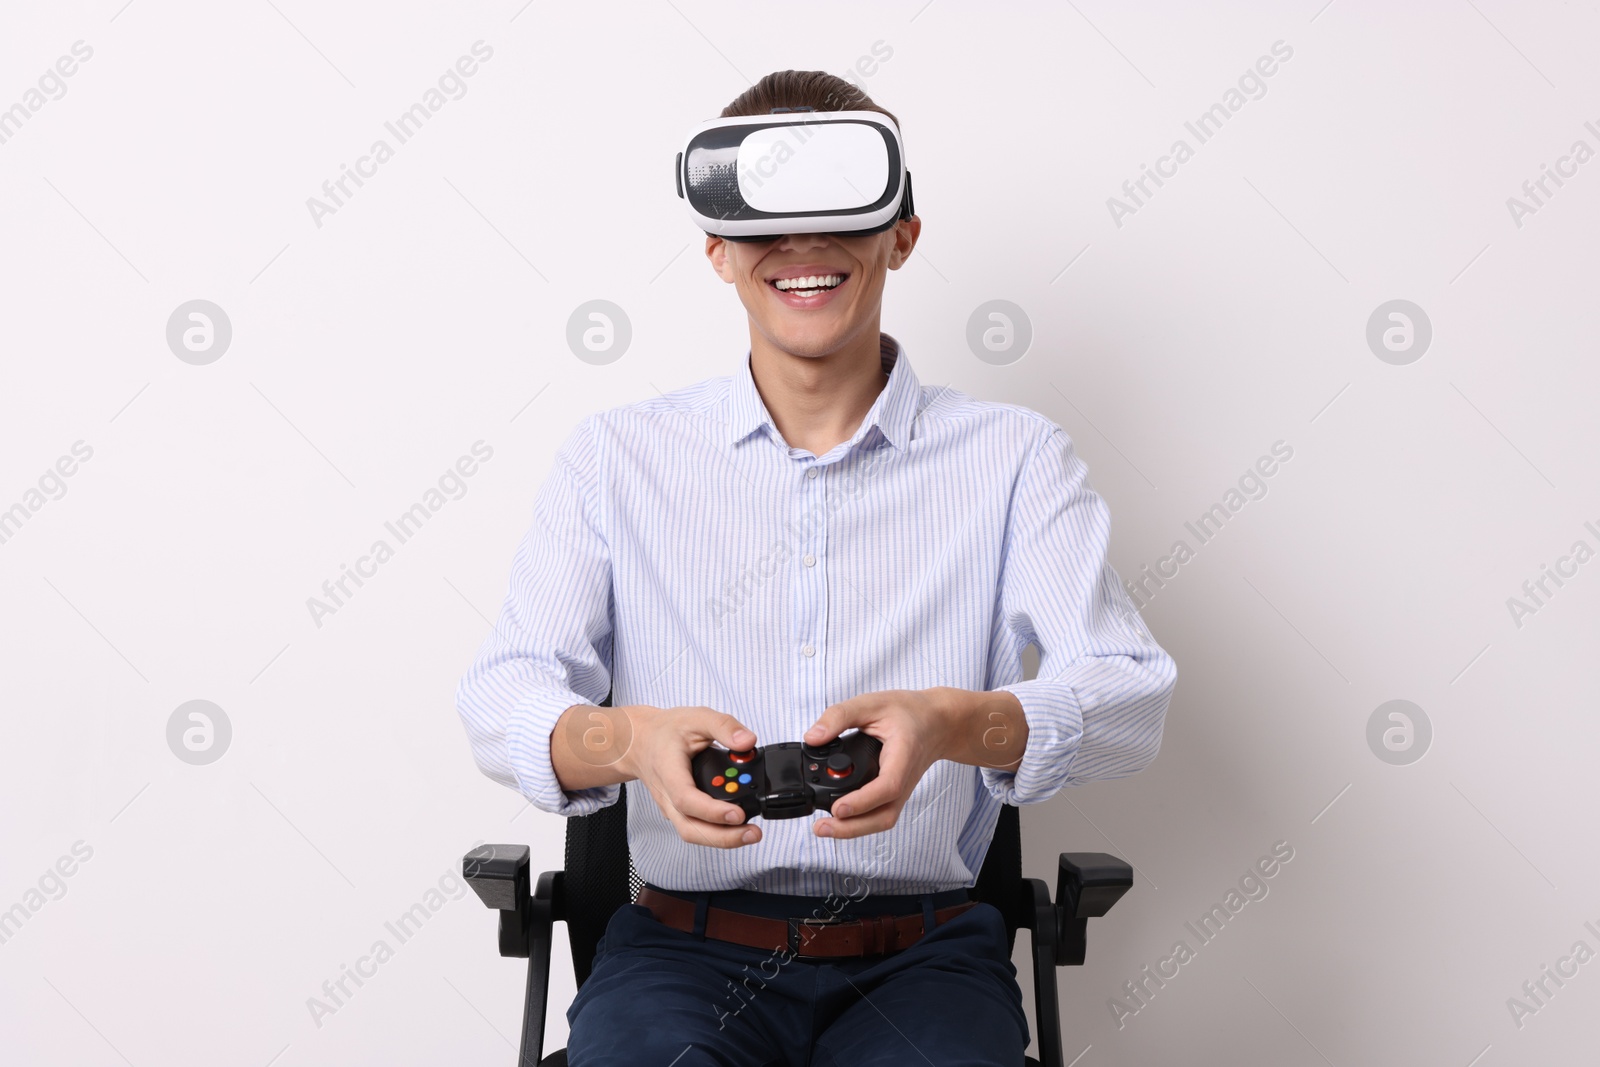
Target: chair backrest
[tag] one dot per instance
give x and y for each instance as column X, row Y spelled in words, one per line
column 600, row 877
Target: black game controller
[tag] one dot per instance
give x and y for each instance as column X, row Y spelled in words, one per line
column 788, row 780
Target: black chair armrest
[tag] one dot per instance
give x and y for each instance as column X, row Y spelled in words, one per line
column 499, row 874
column 1088, row 884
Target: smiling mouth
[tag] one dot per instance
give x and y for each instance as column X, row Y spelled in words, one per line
column 809, row 286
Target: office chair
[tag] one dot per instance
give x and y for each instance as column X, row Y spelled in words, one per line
column 598, row 878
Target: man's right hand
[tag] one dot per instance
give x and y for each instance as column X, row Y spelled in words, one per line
column 593, row 746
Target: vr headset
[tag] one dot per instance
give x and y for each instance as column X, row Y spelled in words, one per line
column 758, row 177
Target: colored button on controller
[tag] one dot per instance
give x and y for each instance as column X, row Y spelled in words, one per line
column 718, row 780
column 732, row 787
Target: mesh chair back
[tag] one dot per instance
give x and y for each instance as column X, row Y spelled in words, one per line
column 599, row 878
column 1000, row 879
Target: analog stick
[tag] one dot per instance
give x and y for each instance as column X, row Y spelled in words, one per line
column 839, row 765
column 742, row 757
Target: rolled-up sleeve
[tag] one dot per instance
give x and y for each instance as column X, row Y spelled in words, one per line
column 551, row 647
column 1097, row 707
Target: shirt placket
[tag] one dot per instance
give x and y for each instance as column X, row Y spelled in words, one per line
column 811, row 592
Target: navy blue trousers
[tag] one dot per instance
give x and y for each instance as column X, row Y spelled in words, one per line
column 662, row 997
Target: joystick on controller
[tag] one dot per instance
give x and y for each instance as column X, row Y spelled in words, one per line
column 788, row 780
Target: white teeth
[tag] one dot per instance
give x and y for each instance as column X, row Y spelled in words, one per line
column 815, row 281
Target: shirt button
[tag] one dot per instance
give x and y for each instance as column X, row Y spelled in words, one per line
column 808, row 651
column 811, row 472
column 810, row 560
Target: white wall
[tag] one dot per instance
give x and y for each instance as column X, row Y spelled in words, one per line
column 1226, row 313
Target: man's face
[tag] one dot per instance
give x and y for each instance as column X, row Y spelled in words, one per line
column 823, row 322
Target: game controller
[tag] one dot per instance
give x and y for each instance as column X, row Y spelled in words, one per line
column 788, row 780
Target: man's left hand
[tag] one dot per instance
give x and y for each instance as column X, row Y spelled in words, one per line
column 917, row 727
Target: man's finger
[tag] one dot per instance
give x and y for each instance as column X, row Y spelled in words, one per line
column 687, row 797
column 834, row 720
column 893, row 779
column 701, row 832
column 857, row 826
column 875, row 794
column 732, row 734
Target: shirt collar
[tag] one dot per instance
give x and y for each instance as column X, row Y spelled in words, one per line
column 892, row 413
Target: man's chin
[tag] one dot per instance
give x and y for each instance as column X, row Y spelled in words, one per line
column 809, row 344
column 810, row 339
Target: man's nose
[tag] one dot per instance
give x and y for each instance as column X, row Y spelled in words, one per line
column 803, row 240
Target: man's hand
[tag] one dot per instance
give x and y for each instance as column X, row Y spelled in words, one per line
column 917, row 727
column 655, row 746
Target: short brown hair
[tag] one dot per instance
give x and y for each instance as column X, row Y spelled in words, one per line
column 816, row 89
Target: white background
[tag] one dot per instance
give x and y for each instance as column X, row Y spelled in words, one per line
column 430, row 310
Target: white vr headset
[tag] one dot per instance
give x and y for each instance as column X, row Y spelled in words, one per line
column 758, row 177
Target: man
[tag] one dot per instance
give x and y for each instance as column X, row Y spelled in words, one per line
column 815, row 544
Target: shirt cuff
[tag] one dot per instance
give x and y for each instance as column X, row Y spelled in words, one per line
column 528, row 742
column 1055, row 730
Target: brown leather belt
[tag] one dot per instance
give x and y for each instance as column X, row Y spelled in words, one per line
column 808, row 938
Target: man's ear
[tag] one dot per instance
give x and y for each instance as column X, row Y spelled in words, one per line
column 717, row 253
column 906, row 232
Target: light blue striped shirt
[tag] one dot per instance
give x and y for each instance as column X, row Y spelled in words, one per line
column 682, row 553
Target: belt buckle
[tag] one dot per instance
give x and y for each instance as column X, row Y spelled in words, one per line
column 794, row 933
